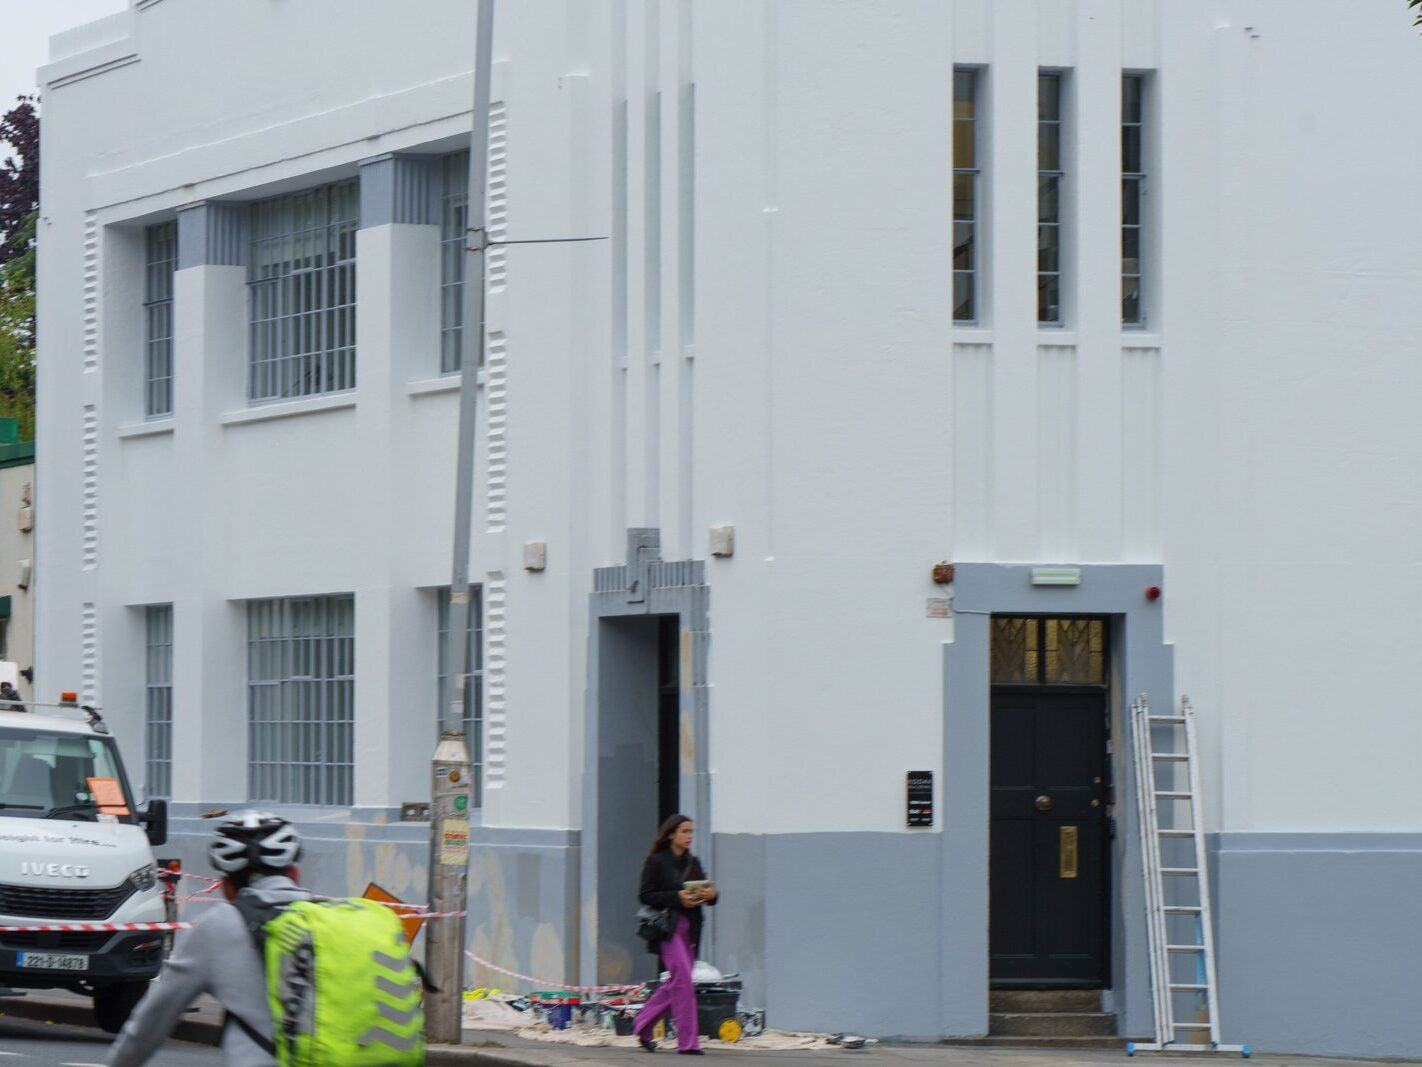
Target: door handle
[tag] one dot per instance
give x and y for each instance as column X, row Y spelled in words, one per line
column 1043, row 803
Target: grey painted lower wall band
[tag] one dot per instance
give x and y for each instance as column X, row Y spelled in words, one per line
column 1317, row 933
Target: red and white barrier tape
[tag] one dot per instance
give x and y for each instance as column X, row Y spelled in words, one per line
column 69, row 928
column 90, row 927
column 552, row 985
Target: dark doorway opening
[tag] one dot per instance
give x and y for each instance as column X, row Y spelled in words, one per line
column 668, row 716
column 638, row 773
column 1049, row 885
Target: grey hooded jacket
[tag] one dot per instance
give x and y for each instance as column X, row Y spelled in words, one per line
column 216, row 956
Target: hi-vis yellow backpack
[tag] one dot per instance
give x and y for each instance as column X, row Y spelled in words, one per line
column 342, row 986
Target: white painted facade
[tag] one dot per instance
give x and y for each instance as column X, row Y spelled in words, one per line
column 765, row 340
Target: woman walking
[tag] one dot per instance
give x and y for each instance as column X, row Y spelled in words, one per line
column 667, row 869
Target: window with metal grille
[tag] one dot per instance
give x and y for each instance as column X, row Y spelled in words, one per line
column 301, row 699
column 473, row 692
column 965, row 195
column 158, row 704
column 301, row 293
column 1049, row 198
column 160, row 260
column 1133, row 179
column 454, row 215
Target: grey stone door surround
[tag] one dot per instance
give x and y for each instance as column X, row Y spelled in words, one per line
column 647, row 585
column 1141, row 662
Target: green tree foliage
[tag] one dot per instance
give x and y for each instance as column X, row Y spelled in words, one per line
column 1416, row 5
column 19, row 215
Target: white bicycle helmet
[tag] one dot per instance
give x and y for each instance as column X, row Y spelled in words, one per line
column 256, row 842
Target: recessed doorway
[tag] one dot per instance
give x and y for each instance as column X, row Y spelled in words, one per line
column 1049, row 885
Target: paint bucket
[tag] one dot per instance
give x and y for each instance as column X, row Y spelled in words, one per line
column 560, row 1011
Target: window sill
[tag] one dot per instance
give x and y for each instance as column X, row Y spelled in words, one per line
column 1055, row 335
column 148, row 429
column 1140, row 339
column 971, row 335
column 445, row 383
column 281, row 409
column 448, row 383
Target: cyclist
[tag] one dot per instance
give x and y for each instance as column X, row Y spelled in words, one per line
column 256, row 853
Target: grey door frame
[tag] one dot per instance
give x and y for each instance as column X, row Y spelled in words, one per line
column 648, row 586
column 1141, row 663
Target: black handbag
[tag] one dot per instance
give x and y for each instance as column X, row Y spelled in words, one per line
column 655, row 925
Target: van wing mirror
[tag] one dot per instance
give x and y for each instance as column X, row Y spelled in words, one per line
column 155, row 822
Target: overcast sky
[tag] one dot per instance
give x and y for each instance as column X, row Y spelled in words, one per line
column 24, row 42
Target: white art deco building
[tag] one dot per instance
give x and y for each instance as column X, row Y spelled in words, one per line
column 1127, row 288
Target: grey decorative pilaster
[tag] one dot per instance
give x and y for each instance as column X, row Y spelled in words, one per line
column 399, row 189
column 212, row 234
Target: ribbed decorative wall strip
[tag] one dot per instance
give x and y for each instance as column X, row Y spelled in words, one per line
column 497, row 267
column 415, row 198
column 495, row 679
column 89, row 485
column 496, row 396
column 89, row 654
column 91, row 292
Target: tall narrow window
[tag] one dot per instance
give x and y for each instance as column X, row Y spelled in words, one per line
column 158, row 704
column 301, row 699
column 473, row 692
column 160, row 261
column 454, row 214
column 1133, row 179
column 1049, row 199
column 301, row 289
column 965, row 195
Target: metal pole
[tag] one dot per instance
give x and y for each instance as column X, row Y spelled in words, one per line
column 449, row 772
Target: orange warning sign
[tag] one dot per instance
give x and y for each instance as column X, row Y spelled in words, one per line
column 108, row 796
column 409, row 920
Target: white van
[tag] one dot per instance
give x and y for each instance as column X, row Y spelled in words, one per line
column 74, row 848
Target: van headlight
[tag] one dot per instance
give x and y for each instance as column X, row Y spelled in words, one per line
column 145, row 878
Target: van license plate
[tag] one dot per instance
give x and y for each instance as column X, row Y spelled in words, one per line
column 53, row 961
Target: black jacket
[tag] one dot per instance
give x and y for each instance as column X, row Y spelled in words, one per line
column 662, row 877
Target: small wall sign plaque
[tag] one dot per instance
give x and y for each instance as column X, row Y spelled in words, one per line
column 920, row 798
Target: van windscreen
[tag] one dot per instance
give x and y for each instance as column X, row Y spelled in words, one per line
column 60, row 775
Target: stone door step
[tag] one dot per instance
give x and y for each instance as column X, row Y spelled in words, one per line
column 1052, row 1024
column 1040, row 1000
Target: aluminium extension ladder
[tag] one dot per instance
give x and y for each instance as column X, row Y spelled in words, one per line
column 1177, row 890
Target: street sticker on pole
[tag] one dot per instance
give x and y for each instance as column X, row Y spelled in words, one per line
column 454, row 841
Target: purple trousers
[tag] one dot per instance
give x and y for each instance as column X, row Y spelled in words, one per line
column 676, row 996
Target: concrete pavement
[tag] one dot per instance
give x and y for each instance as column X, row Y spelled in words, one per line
column 502, row 1049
